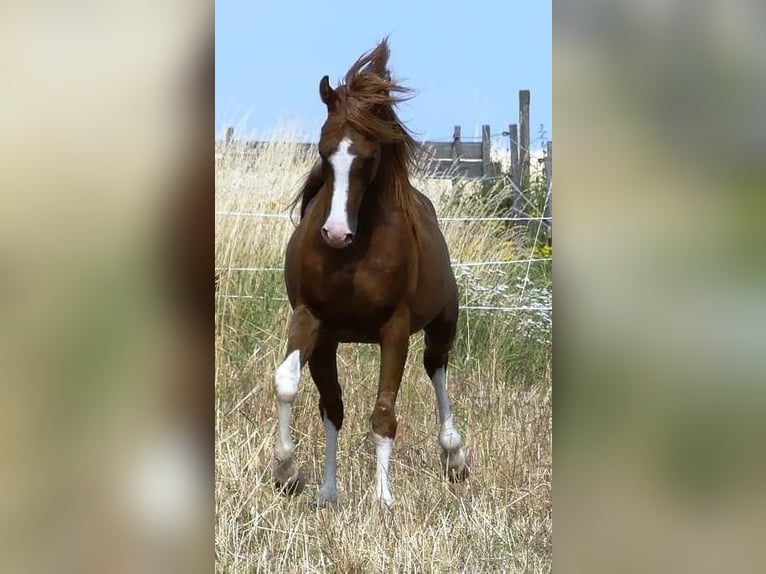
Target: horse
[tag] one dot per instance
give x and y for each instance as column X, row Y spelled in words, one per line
column 366, row 263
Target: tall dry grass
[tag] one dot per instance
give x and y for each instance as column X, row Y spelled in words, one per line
column 500, row 520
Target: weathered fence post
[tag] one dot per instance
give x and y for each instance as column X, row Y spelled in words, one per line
column 516, row 205
column 455, row 153
column 487, row 169
column 486, row 165
column 549, row 182
column 524, row 138
column 229, row 135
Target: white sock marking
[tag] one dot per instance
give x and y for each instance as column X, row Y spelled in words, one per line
column 439, row 381
column 341, row 162
column 449, row 437
column 329, row 490
column 286, row 381
column 383, row 448
column 287, row 377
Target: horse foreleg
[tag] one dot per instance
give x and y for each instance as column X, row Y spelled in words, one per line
column 394, row 342
column 301, row 339
column 453, row 456
column 324, row 370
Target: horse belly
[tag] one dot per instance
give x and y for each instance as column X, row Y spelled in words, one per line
column 436, row 288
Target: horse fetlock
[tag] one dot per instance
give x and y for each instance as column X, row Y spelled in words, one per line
column 386, row 499
column 456, row 465
column 328, row 495
column 383, row 420
column 283, row 453
column 449, row 439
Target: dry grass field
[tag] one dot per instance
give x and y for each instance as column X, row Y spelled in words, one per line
column 499, row 383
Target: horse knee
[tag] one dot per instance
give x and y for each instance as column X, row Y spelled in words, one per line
column 383, row 420
column 287, row 377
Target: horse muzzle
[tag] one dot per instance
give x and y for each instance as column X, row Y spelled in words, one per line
column 337, row 236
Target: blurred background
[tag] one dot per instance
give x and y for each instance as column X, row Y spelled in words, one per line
column 106, row 288
column 660, row 294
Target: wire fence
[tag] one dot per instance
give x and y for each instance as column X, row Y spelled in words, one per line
column 454, row 264
column 529, row 261
column 466, row 219
column 535, row 308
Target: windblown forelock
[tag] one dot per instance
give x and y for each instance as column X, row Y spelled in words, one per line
column 369, row 96
column 365, row 101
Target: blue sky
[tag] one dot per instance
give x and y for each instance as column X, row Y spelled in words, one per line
column 466, row 60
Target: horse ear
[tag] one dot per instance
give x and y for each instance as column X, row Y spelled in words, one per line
column 328, row 95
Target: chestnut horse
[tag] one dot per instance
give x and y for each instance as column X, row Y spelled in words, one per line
column 367, row 263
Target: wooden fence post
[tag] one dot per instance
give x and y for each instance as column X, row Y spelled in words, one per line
column 549, row 181
column 486, row 165
column 524, row 138
column 229, row 135
column 513, row 130
column 455, row 152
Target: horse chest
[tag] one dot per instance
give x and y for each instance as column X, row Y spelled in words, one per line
column 346, row 294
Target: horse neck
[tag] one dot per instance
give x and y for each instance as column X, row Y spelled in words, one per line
column 389, row 177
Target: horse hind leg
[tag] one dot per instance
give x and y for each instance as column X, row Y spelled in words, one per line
column 300, row 344
column 438, row 339
column 324, row 370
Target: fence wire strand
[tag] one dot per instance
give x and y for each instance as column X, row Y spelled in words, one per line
column 530, row 308
column 266, row 215
column 454, row 264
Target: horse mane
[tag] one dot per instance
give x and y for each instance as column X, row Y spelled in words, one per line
column 368, row 95
column 366, row 99
column 311, row 185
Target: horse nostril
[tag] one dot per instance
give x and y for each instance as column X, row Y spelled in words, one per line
column 335, row 237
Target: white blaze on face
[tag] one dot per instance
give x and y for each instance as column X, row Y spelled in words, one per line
column 337, row 223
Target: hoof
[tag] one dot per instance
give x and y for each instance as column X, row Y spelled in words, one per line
column 292, row 486
column 457, row 467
